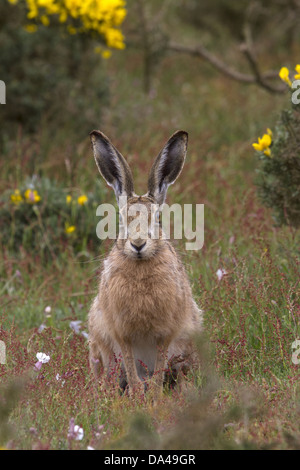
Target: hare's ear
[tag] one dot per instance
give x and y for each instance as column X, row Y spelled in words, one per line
column 112, row 165
column 167, row 166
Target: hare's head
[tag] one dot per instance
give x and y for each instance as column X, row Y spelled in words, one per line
column 140, row 231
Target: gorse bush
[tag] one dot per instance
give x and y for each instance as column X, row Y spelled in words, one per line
column 51, row 77
column 278, row 180
column 102, row 17
column 43, row 216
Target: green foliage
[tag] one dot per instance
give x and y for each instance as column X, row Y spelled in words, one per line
column 50, row 76
column 38, row 217
column 278, row 179
column 140, row 435
column 10, row 393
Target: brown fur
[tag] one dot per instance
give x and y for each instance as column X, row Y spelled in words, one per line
column 144, row 310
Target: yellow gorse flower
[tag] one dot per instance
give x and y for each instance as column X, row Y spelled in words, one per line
column 267, row 152
column 82, row 199
column 284, row 75
column 103, row 17
column 269, row 132
column 45, row 20
column 297, row 68
column 70, row 228
column 106, row 53
column 263, row 144
column 30, row 28
column 16, row 197
column 32, row 196
column 68, row 199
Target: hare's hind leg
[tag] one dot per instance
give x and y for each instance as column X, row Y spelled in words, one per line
column 134, row 383
column 161, row 364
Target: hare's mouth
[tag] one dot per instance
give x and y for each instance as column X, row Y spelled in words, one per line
column 139, row 255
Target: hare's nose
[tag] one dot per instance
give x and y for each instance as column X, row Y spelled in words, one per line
column 138, row 248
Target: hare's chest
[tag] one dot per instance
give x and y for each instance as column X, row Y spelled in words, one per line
column 142, row 308
column 145, row 293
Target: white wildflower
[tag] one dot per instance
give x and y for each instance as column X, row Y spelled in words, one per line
column 43, row 358
column 220, row 273
column 78, row 433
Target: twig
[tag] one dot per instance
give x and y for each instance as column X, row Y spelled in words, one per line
column 258, row 78
column 247, row 49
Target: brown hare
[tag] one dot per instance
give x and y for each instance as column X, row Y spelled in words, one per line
column 144, row 311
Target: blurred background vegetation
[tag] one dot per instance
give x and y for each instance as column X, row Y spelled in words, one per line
column 212, row 69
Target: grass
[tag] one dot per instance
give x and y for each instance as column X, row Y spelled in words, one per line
column 246, row 394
